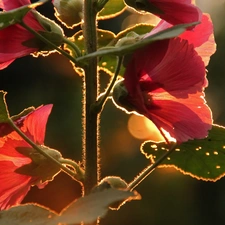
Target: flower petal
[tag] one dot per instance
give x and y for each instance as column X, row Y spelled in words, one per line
column 184, row 119
column 177, row 11
column 176, row 66
column 35, row 123
column 12, row 4
column 202, row 38
column 13, row 186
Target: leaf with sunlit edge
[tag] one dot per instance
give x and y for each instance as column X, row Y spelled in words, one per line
column 107, row 63
column 112, row 9
column 95, row 205
column 16, row 15
column 202, row 159
column 104, row 38
column 129, row 48
column 32, row 214
column 86, row 209
column 4, row 114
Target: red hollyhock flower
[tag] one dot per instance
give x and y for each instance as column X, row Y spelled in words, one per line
column 20, row 165
column 176, row 11
column 165, row 82
column 16, row 41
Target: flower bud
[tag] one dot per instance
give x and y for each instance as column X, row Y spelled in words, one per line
column 130, row 38
column 51, row 31
column 119, row 95
column 40, row 166
column 69, row 12
column 110, row 182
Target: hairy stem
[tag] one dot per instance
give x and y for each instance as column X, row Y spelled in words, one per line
column 90, row 91
column 49, row 43
column 147, row 171
column 102, row 99
column 38, row 149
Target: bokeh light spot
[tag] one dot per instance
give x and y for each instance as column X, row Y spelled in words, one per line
column 142, row 128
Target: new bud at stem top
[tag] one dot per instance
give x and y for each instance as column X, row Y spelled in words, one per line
column 69, row 12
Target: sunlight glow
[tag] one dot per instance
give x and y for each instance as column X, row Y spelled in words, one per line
column 142, row 128
column 167, row 135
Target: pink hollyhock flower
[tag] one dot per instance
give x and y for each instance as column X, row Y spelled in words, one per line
column 176, row 11
column 20, row 165
column 201, row 36
column 165, row 81
column 16, row 41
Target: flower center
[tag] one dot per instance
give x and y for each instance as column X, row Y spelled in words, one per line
column 147, row 97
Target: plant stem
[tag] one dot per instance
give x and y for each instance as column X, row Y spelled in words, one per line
column 49, row 43
column 90, row 93
column 147, row 171
column 34, row 146
column 97, row 107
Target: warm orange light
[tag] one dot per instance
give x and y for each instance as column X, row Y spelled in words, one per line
column 142, row 128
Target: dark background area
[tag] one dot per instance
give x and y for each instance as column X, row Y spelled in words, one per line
column 168, row 197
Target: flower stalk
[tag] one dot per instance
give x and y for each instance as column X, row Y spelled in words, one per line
column 90, row 93
column 97, row 107
column 38, row 149
column 149, row 169
column 49, row 43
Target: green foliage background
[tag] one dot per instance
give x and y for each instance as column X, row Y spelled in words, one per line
column 167, row 196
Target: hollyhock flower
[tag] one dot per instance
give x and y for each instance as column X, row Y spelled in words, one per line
column 21, row 166
column 16, row 41
column 201, row 36
column 165, row 81
column 173, row 11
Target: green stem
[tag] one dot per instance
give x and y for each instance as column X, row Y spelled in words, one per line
column 73, row 45
column 34, row 146
column 49, row 43
column 97, row 107
column 90, row 93
column 147, row 171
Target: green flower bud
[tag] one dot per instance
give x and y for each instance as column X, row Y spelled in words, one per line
column 69, row 12
column 119, row 95
column 51, row 31
column 40, row 166
column 130, row 38
column 110, row 182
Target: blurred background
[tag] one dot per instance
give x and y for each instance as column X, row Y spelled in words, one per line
column 168, row 197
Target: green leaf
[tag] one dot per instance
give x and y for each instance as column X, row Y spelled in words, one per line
column 23, row 113
column 126, row 49
column 16, row 15
column 112, row 9
column 86, row 209
column 104, row 38
column 202, row 159
column 4, row 114
column 28, row 214
column 107, row 63
column 89, row 208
